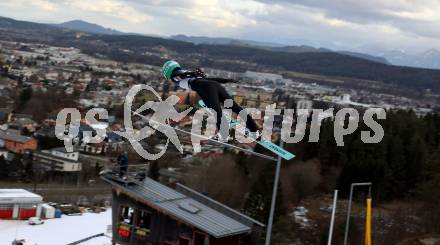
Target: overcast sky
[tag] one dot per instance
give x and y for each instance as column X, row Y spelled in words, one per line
column 360, row 25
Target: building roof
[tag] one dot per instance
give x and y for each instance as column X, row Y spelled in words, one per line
column 184, row 208
column 217, row 205
column 19, row 196
column 14, row 137
column 23, row 121
column 48, row 155
column 60, row 149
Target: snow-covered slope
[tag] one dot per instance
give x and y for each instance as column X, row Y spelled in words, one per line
column 58, row 231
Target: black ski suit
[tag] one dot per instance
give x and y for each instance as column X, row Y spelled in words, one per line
column 212, row 93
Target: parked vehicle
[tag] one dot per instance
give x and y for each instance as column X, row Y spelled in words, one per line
column 35, row 221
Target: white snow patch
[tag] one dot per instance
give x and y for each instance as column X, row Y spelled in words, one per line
column 65, row 230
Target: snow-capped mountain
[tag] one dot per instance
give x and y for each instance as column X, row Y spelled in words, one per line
column 427, row 59
column 430, row 59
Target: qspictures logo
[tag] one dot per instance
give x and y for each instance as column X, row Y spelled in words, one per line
column 346, row 121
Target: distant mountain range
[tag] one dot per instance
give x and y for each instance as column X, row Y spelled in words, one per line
column 84, row 26
column 429, row 59
column 233, row 57
column 272, row 46
column 223, row 41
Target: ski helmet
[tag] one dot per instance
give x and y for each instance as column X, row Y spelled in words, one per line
column 168, row 68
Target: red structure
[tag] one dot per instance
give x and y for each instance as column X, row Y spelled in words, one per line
column 5, row 213
column 26, row 213
column 18, row 143
column 19, row 204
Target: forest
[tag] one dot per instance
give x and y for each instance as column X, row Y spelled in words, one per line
column 403, row 168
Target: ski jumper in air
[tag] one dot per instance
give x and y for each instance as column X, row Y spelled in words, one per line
column 209, row 89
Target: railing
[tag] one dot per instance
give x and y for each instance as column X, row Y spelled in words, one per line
column 86, row 239
column 127, row 173
column 130, row 169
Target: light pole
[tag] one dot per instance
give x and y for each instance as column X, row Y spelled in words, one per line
column 332, row 220
column 274, row 198
column 349, row 206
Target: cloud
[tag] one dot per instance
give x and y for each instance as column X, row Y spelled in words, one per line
column 43, row 4
column 337, row 24
column 218, row 14
column 115, row 9
column 404, row 15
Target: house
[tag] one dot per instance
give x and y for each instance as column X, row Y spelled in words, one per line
column 20, row 123
column 19, row 204
column 58, row 159
column 112, row 142
column 17, row 143
column 5, row 115
column 147, row 212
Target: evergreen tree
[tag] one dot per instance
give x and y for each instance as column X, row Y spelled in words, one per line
column 23, row 98
column 432, row 168
column 416, row 159
column 401, row 162
column 4, row 168
column 154, row 170
column 430, row 190
column 395, row 172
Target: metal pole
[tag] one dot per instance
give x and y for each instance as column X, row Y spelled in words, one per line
column 349, row 207
column 332, row 220
column 274, row 198
column 348, row 215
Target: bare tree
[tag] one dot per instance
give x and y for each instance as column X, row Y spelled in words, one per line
column 300, row 180
column 221, row 179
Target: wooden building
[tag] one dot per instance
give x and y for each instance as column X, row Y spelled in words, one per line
column 147, row 212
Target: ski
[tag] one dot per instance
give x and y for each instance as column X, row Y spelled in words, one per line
column 265, row 143
column 215, row 141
